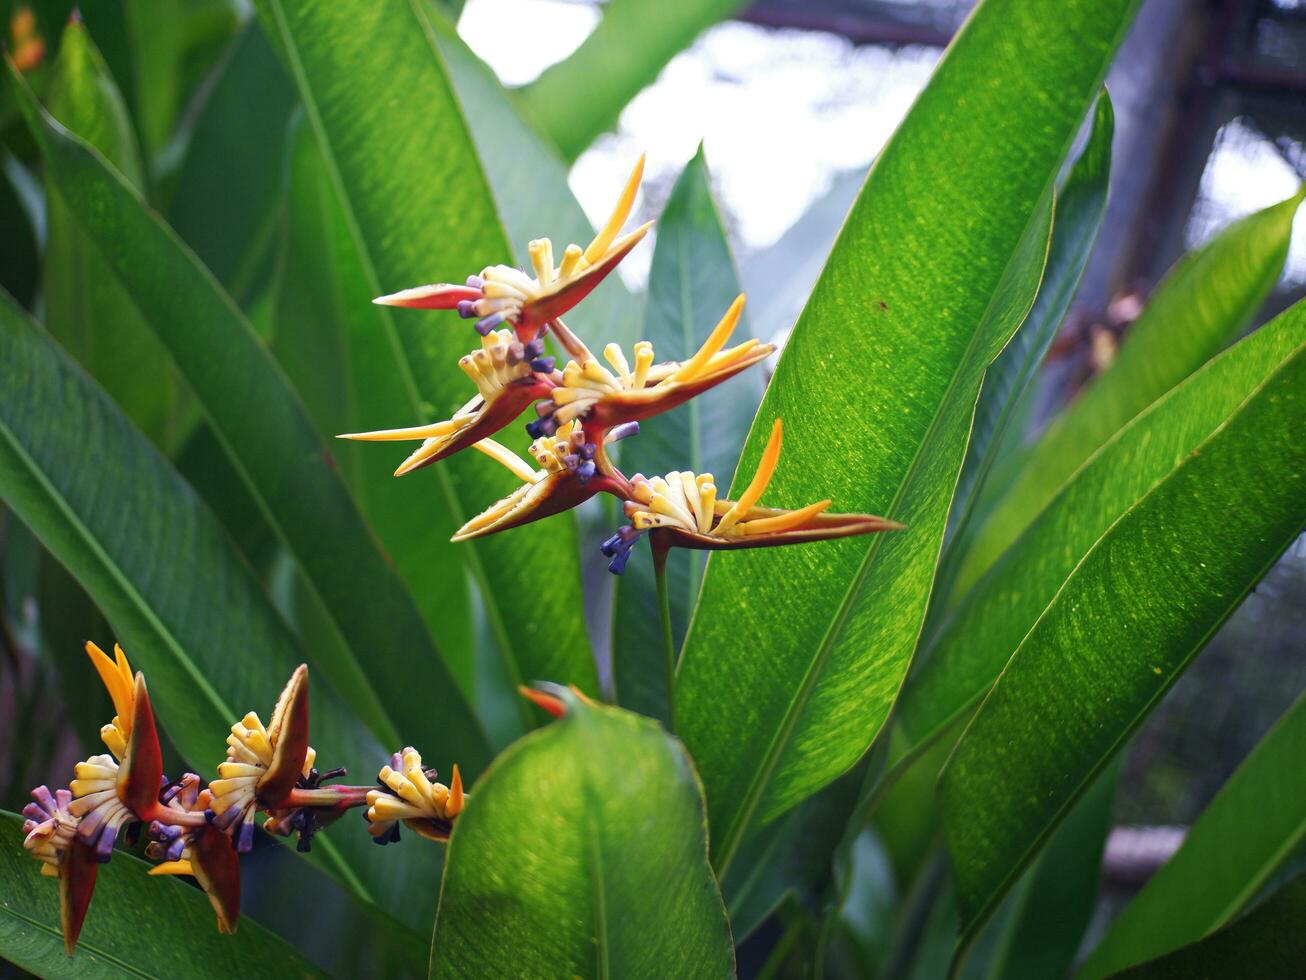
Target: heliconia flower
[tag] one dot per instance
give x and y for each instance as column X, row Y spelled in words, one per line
column 263, row 765
column 204, row 852
column 605, row 398
column 410, row 794
column 509, row 376
column 502, row 294
column 571, row 470
column 551, row 697
column 682, row 510
column 50, row 836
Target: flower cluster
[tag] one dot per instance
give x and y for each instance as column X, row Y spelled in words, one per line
column 584, row 405
column 201, row 830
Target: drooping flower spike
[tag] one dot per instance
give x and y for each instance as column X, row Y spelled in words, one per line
column 502, row 294
column 553, row 698
column 629, row 393
column 682, row 510
column 508, row 375
column 571, row 471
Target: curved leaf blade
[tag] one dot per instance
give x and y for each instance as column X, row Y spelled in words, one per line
column 181, row 932
column 1254, row 824
column 691, row 284
column 269, row 438
column 894, row 412
column 163, row 571
column 987, row 626
column 1203, row 303
column 1137, row 608
column 418, row 205
column 541, row 878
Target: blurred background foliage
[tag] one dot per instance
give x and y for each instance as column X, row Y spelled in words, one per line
column 760, row 120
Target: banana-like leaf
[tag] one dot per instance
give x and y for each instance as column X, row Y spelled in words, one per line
column 1080, row 206
column 1203, row 303
column 138, row 926
column 533, row 200
column 1121, row 628
column 542, row 879
column 225, row 204
column 986, row 628
column 432, row 217
column 935, row 268
column 691, row 284
column 1254, row 824
column 86, row 308
column 179, row 598
column 395, row 679
column 1268, row 943
column 325, row 335
column 580, row 97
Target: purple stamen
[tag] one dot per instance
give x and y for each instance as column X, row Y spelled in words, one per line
column 245, row 838
column 586, row 451
column 618, row 548
column 475, row 282
column 544, row 365
column 466, row 308
column 623, row 431
column 228, row 817
column 541, row 427
column 173, row 853
column 104, row 844
column 585, row 470
column 535, row 348
column 43, row 798
column 486, row 324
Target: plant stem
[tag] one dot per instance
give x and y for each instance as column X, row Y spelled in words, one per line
column 668, row 641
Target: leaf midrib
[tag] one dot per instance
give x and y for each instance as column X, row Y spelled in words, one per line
column 87, row 947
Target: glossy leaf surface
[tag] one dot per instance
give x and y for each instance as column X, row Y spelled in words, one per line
column 1138, row 606
column 1254, row 824
column 1202, row 304
column 269, row 438
column 181, row 937
column 542, row 878
column 986, row 628
column 418, row 205
column 691, row 284
column 877, row 388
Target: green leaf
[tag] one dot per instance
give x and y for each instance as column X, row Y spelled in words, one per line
column 225, row 204
column 579, row 98
column 270, row 440
column 325, row 335
column 419, row 209
column 1203, row 303
column 933, row 271
column 534, row 199
column 1255, row 822
column 1268, row 943
column 983, row 631
column 137, row 927
column 1080, row 206
column 1121, row 628
column 542, row 878
column 691, row 284
column 186, row 608
column 1053, row 903
column 86, row 308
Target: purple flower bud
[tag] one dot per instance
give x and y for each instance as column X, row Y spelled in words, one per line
column 544, row 407
column 585, row 470
column 535, row 348
column 623, row 431
column 245, row 838
column 475, row 282
column 486, row 324
column 544, row 365
column 466, row 308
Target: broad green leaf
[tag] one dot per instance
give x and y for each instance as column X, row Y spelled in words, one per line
column 1203, row 303
column 1080, row 206
column 1254, row 824
column 1136, row 609
column 691, row 284
column 534, row 198
column 418, row 206
column 326, row 334
column 987, row 627
column 138, row 926
column 579, row 98
column 178, row 597
column 982, row 632
column 583, row 853
column 225, row 204
column 1268, row 943
column 267, row 434
column 86, row 308
column 1052, row 905
column 933, row 271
